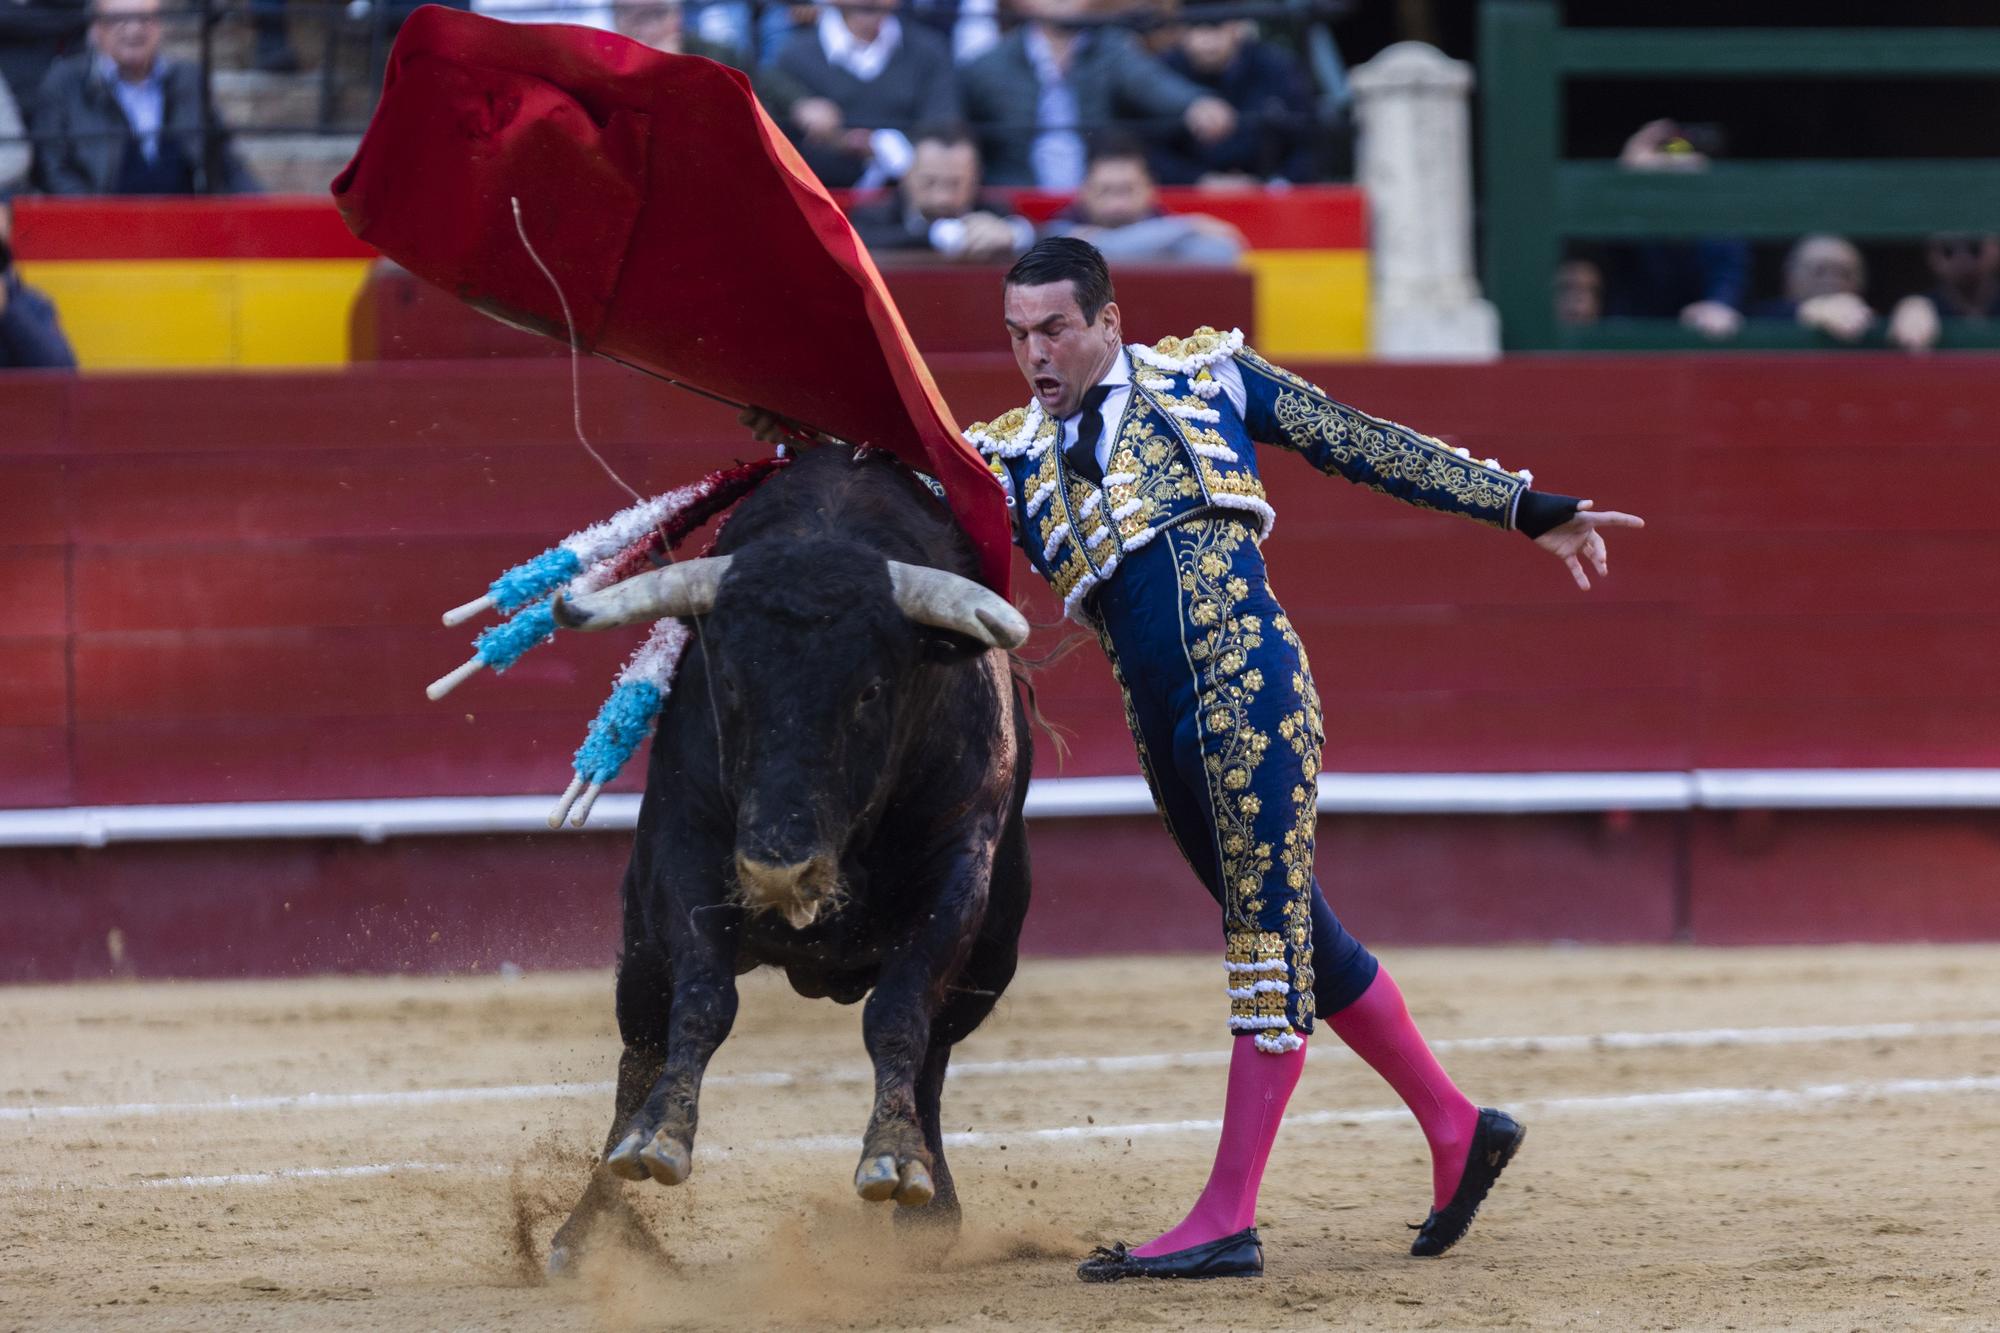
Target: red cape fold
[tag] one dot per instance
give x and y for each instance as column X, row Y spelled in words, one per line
column 688, row 235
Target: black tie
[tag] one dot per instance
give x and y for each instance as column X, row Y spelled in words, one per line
column 1082, row 455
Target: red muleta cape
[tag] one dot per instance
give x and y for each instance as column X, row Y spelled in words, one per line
column 689, row 236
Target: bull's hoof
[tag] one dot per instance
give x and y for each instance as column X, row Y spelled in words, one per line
column 624, row 1160
column 876, row 1180
column 563, row 1261
column 667, row 1159
column 916, row 1188
column 879, row 1179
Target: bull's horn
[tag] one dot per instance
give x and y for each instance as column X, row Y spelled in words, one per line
column 951, row 601
column 683, row 589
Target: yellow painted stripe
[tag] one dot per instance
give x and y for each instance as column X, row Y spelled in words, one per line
column 1311, row 303
column 206, row 314
column 203, row 314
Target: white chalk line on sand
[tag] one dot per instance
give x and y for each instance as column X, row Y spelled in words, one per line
column 1696, row 1038
column 1809, row 1097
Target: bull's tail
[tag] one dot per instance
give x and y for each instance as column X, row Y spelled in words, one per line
column 1024, row 671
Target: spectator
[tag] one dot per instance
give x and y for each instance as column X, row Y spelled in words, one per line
column 1967, row 269
column 1118, row 211
column 1032, row 97
column 872, row 79
column 1824, row 279
column 272, row 52
column 602, row 14
column 123, row 119
column 14, row 155
column 32, row 34
column 1277, row 118
column 971, row 26
column 938, row 207
column 663, row 27
column 1703, row 283
column 1579, row 293
column 30, row 338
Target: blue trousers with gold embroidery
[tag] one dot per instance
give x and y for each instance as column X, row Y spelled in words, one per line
column 1221, row 704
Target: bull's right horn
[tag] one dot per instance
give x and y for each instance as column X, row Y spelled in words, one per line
column 684, row 589
column 951, row 601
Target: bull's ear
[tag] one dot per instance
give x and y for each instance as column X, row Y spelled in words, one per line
column 943, row 646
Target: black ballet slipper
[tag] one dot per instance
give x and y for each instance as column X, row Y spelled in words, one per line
column 1494, row 1143
column 1240, row 1255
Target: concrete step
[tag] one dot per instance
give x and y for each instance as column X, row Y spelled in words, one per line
column 297, row 163
column 250, row 100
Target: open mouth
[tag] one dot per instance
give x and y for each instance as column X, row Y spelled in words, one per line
column 1047, row 386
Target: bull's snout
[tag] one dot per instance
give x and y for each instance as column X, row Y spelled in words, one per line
column 795, row 889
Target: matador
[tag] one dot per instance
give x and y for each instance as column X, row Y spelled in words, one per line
column 1134, row 488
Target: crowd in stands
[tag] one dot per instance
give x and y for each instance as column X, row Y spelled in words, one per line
column 923, row 108
column 118, row 116
column 1705, row 283
column 106, row 110
column 929, row 109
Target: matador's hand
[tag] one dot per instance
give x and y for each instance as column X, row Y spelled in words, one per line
column 771, row 428
column 1579, row 539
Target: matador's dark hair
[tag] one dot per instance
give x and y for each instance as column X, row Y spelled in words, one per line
column 1060, row 258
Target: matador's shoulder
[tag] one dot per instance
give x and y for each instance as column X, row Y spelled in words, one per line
column 1008, row 434
column 1190, row 355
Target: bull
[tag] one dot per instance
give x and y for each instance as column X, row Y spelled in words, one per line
column 835, row 789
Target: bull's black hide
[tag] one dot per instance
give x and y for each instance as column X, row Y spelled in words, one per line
column 834, row 790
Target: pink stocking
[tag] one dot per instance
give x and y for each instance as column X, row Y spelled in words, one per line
column 1379, row 1028
column 1259, row 1087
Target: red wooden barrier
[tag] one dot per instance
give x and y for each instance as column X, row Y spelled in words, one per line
column 950, row 309
column 226, row 588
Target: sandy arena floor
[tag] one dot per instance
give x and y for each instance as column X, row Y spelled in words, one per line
column 1816, row 1145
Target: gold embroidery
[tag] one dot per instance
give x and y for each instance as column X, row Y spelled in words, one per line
column 1201, row 342
column 1070, row 570
column 1003, row 427
column 1219, row 643
column 1392, row 453
column 1278, row 372
column 1165, row 481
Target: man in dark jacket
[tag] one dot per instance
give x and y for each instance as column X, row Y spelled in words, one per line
column 1053, row 80
column 123, row 119
column 1277, row 119
column 30, row 338
column 938, row 208
column 882, row 76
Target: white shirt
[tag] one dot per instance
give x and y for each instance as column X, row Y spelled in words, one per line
column 1119, row 377
column 1119, row 380
column 846, row 51
column 891, row 149
column 1057, row 154
column 144, row 103
column 583, row 13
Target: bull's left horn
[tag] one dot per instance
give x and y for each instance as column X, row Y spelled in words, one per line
column 951, row 601
column 684, row 589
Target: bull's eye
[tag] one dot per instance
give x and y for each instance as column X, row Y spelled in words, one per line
column 872, row 693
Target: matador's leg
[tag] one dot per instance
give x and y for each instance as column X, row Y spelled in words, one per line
column 1357, row 996
column 1169, row 627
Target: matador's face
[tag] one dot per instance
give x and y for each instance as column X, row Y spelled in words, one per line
column 1060, row 354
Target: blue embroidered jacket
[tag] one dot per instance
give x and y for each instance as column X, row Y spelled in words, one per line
column 1181, row 448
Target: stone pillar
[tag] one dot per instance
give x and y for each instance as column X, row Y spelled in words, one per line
column 1415, row 163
